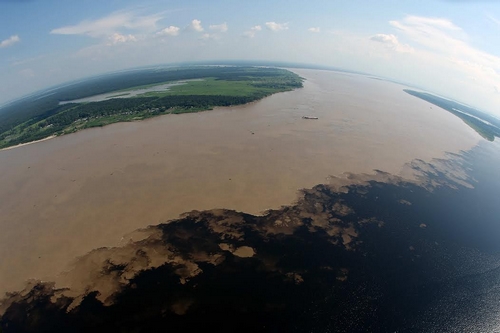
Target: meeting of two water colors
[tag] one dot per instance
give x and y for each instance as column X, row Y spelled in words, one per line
column 360, row 252
column 381, row 256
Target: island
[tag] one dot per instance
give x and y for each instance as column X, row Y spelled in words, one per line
column 137, row 95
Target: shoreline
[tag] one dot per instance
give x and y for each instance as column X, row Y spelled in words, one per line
column 29, row 143
column 96, row 186
column 149, row 118
column 215, row 88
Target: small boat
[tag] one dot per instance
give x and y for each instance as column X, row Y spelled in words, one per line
column 309, row 117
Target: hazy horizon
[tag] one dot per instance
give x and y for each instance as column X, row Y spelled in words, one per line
column 448, row 47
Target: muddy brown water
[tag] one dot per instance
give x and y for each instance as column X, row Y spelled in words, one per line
column 63, row 197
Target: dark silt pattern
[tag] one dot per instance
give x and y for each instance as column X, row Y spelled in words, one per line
column 379, row 256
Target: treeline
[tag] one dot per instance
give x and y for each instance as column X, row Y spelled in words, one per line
column 467, row 114
column 45, row 104
column 122, row 109
column 139, row 105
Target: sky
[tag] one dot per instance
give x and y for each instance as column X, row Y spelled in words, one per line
column 451, row 48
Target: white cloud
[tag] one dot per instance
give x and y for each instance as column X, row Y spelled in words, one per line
column 219, row 27
column 253, row 30
column 111, row 24
column 195, row 25
column 314, row 29
column 392, row 42
column 439, row 35
column 10, row 41
column 273, row 26
column 446, row 46
column 443, row 38
column 440, row 23
column 119, row 38
column 391, row 39
column 169, row 31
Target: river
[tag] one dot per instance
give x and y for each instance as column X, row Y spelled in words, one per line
column 63, row 197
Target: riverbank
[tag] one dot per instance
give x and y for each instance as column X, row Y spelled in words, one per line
column 28, row 143
column 198, row 90
column 88, row 190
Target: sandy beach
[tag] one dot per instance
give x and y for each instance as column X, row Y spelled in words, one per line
column 28, row 143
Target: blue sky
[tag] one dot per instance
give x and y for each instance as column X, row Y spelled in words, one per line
column 449, row 47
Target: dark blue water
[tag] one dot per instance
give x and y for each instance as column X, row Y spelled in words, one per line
column 469, row 219
column 421, row 261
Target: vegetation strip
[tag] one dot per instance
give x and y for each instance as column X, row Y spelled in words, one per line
column 484, row 124
column 39, row 117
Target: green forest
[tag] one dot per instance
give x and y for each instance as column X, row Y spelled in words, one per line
column 42, row 115
column 484, row 124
